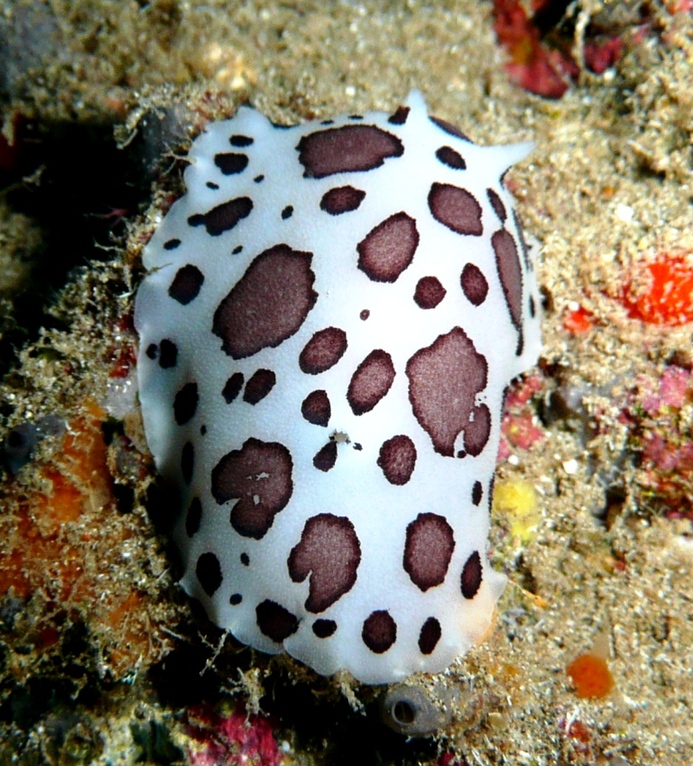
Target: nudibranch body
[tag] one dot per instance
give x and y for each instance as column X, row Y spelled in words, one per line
column 329, row 321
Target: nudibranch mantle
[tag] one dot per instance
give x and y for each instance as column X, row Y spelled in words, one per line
column 330, row 318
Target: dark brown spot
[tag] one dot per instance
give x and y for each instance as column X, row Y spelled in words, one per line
column 455, row 208
column 444, row 379
column 187, row 462
column 497, row 204
column 474, row 284
column 364, row 314
column 397, row 459
column 448, row 156
column 208, row 571
column 346, row 149
column 259, row 385
column 168, row 354
column 258, row 476
column 428, row 550
column 193, row 518
column 152, row 351
column 326, row 457
column 323, row 350
column 478, row 430
column 185, row 403
column 232, row 387
column 399, row 117
column 510, row 274
column 268, row 303
column 429, row 635
column 316, row 408
column 324, row 628
column 186, row 284
column 287, row 212
column 171, row 244
column 275, row 621
column 470, row 580
column 429, row 293
column 532, row 307
column 212, row 185
column 387, row 250
column 231, row 163
column 379, row 631
column 223, row 217
column 477, row 492
column 330, row 553
column 245, row 559
column 235, row 599
column 371, row 381
column 342, row 199
column 240, row 141
column 449, row 128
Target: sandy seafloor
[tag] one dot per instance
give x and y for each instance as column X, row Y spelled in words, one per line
column 102, row 660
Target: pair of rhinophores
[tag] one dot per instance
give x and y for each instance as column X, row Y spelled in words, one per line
column 329, row 321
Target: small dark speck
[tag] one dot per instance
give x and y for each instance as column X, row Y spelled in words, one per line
column 239, row 140
column 461, row 453
column 212, row 185
column 245, row 559
column 171, row 244
column 365, row 314
column 357, row 446
column 258, row 179
column 203, row 430
column 287, row 212
column 327, row 122
column 237, row 250
column 235, row 599
column 355, row 116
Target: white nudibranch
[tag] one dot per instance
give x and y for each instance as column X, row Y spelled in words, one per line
column 329, row 321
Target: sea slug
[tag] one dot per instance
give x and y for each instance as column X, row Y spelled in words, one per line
column 330, row 318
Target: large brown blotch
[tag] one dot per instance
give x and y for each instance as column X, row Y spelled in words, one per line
column 268, row 303
column 510, row 274
column 456, row 208
column 428, row 550
column 346, row 149
column 258, row 476
column 323, row 350
column 387, row 250
column 371, row 381
column 329, row 551
column 444, row 379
